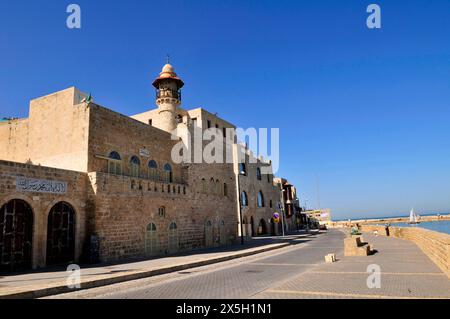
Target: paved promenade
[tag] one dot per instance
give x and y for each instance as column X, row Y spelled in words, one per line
column 297, row 272
column 47, row 282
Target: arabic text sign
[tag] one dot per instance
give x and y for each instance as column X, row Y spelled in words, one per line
column 40, row 185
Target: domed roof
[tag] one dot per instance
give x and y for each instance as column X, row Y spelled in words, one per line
column 168, row 72
column 167, row 68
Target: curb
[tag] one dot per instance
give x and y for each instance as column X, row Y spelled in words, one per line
column 45, row 292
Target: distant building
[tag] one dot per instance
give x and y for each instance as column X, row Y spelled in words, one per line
column 289, row 204
column 319, row 216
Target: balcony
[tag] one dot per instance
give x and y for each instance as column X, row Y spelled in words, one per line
column 168, row 94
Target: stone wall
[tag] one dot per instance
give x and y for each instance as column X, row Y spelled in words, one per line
column 42, row 203
column 125, row 206
column 54, row 135
column 434, row 244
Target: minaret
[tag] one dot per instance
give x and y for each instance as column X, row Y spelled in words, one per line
column 168, row 98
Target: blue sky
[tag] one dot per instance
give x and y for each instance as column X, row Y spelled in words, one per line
column 363, row 114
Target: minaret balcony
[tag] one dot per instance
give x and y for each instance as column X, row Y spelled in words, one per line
column 168, row 94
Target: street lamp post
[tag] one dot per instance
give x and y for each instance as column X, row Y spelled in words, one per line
column 282, row 210
column 241, row 221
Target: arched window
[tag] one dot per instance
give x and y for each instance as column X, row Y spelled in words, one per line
column 218, row 187
column 151, row 240
column 225, row 189
column 152, row 170
column 168, row 173
column 204, row 186
column 212, row 186
column 244, row 199
column 260, row 199
column 242, row 169
column 114, row 163
column 134, row 166
column 173, row 238
column 258, row 173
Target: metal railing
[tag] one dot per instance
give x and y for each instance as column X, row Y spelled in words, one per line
column 168, row 94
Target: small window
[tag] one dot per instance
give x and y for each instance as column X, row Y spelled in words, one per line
column 151, row 227
column 173, row 226
column 225, row 189
column 162, row 211
column 258, row 173
column 204, row 186
column 194, row 122
column 269, row 179
column 260, row 199
column 270, row 204
column 242, row 169
column 244, row 200
column 217, row 126
column 150, row 122
column 168, row 173
column 209, row 124
column 224, row 131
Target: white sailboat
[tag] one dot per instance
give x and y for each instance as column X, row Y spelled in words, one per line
column 413, row 217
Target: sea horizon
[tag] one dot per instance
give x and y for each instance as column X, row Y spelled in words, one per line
column 386, row 217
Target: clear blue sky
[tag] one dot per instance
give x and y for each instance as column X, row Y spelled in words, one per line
column 366, row 111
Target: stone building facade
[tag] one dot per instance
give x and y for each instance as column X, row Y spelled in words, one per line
column 80, row 182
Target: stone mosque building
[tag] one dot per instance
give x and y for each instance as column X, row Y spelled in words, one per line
column 82, row 183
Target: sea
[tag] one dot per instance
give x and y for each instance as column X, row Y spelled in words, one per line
column 441, row 226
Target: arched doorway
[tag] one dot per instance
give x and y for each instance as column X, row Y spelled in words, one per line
column 222, row 233
column 16, row 235
column 61, row 234
column 252, row 227
column 173, row 238
column 151, row 240
column 262, row 227
column 208, row 234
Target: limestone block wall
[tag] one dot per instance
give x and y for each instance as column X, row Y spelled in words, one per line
column 111, row 131
column 271, row 196
column 42, row 203
column 434, row 244
column 14, row 140
column 54, row 135
column 125, row 206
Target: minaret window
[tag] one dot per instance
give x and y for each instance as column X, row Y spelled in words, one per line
column 258, row 173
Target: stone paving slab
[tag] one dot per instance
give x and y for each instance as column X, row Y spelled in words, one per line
column 40, row 284
column 406, row 272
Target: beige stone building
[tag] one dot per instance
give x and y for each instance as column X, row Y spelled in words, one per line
column 80, row 182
